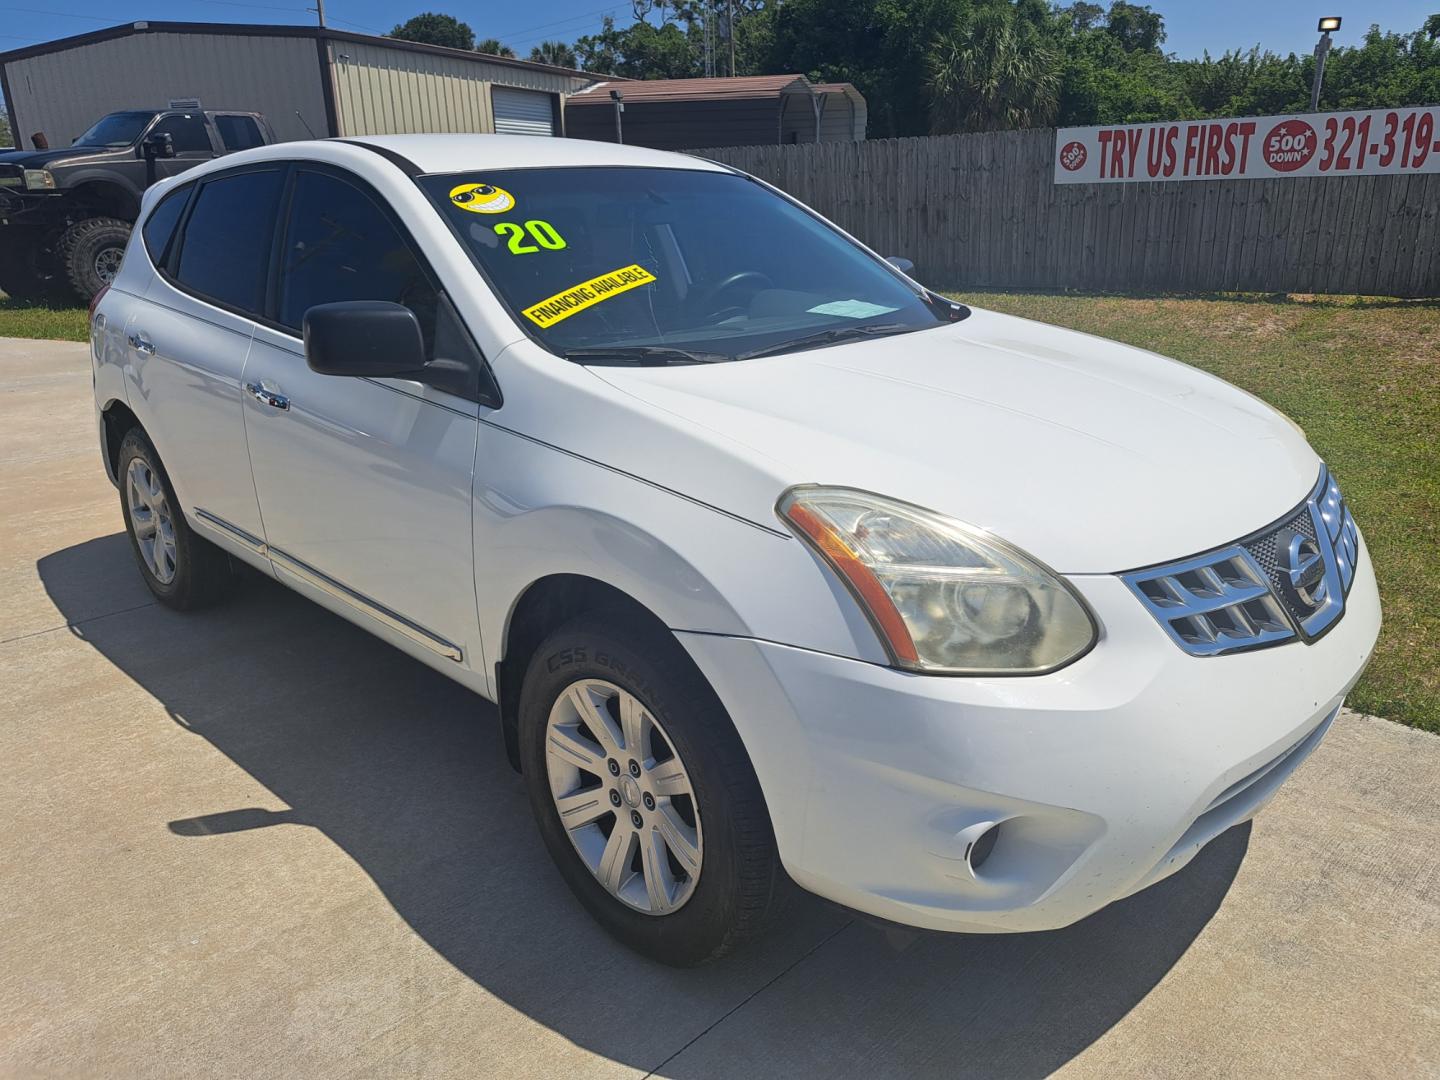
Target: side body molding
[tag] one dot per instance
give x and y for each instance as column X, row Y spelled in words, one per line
column 286, row 564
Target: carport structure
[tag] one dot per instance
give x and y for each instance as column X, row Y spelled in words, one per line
column 686, row 114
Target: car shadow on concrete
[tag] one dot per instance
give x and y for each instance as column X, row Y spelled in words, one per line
column 403, row 770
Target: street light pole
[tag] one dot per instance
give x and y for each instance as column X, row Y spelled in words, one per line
column 1322, row 50
column 619, row 108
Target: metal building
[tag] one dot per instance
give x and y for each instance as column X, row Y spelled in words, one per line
column 309, row 81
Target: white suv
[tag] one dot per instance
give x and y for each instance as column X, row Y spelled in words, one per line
column 778, row 565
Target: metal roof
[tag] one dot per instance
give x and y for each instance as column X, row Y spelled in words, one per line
column 276, row 30
column 725, row 89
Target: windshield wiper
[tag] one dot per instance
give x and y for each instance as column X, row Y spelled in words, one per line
column 832, row 336
column 641, row 355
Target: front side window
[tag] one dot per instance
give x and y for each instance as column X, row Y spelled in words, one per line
column 238, row 132
column 225, row 251
column 187, row 133
column 116, row 129
column 624, row 264
column 160, row 225
column 339, row 245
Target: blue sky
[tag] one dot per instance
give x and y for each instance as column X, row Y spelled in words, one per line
column 1281, row 25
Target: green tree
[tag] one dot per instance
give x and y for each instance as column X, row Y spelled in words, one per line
column 996, row 74
column 495, row 47
column 1111, row 76
column 882, row 46
column 1135, row 27
column 554, row 53
column 6, row 138
column 433, row 28
column 949, row 65
column 641, row 51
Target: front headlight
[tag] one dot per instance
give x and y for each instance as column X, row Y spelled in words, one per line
column 944, row 597
column 39, row 180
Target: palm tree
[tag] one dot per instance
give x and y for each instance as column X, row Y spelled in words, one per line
column 554, row 53
column 494, row 47
column 996, row 76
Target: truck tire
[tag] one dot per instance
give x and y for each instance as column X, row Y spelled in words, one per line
column 21, row 277
column 90, row 252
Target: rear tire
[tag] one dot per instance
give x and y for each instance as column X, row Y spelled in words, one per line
column 692, row 776
column 90, row 253
column 183, row 570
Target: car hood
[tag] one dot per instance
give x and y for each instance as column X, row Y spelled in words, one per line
column 1091, row 455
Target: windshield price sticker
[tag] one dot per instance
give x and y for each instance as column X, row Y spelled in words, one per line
column 577, row 298
column 541, row 234
column 1376, row 142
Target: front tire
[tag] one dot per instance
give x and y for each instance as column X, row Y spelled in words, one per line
column 22, row 267
column 183, row 570
column 643, row 792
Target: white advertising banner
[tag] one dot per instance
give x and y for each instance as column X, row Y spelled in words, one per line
column 1371, row 143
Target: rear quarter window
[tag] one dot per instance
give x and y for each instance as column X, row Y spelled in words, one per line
column 239, row 132
column 159, row 227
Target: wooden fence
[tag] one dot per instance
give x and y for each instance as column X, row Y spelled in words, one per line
column 983, row 211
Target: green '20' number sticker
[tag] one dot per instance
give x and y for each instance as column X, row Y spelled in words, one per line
column 542, row 232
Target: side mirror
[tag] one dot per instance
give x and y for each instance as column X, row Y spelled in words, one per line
column 367, row 338
column 899, row 262
column 158, row 144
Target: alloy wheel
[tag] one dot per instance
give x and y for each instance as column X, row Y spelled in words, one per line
column 150, row 519
column 623, row 796
column 107, row 263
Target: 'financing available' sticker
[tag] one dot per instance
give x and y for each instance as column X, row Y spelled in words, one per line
column 577, row 298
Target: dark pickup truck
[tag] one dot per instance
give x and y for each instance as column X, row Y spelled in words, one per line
column 65, row 214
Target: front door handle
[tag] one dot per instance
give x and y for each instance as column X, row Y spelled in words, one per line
column 267, row 397
column 140, row 343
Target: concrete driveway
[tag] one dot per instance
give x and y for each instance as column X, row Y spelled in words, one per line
column 256, row 842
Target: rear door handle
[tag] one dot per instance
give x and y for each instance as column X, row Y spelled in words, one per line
column 140, row 343
column 267, row 397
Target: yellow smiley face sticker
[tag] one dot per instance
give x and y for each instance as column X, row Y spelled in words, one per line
column 482, row 198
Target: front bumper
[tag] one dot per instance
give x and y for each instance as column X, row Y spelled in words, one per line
column 20, row 207
column 1104, row 777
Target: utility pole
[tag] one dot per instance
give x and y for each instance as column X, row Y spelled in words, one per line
column 1322, row 50
column 619, row 108
column 730, row 17
column 707, row 37
column 319, row 10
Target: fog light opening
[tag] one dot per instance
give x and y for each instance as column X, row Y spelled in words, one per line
column 980, row 848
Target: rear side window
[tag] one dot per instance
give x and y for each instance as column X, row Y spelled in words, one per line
column 341, row 246
column 187, row 133
column 160, row 225
column 239, row 132
column 225, row 251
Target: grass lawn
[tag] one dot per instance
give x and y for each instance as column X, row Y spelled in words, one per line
column 1362, row 377
column 22, row 320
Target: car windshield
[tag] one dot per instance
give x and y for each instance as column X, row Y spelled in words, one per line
column 644, row 265
column 117, row 129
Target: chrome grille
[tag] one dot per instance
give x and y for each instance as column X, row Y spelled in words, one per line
column 1213, row 603
column 1288, row 580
